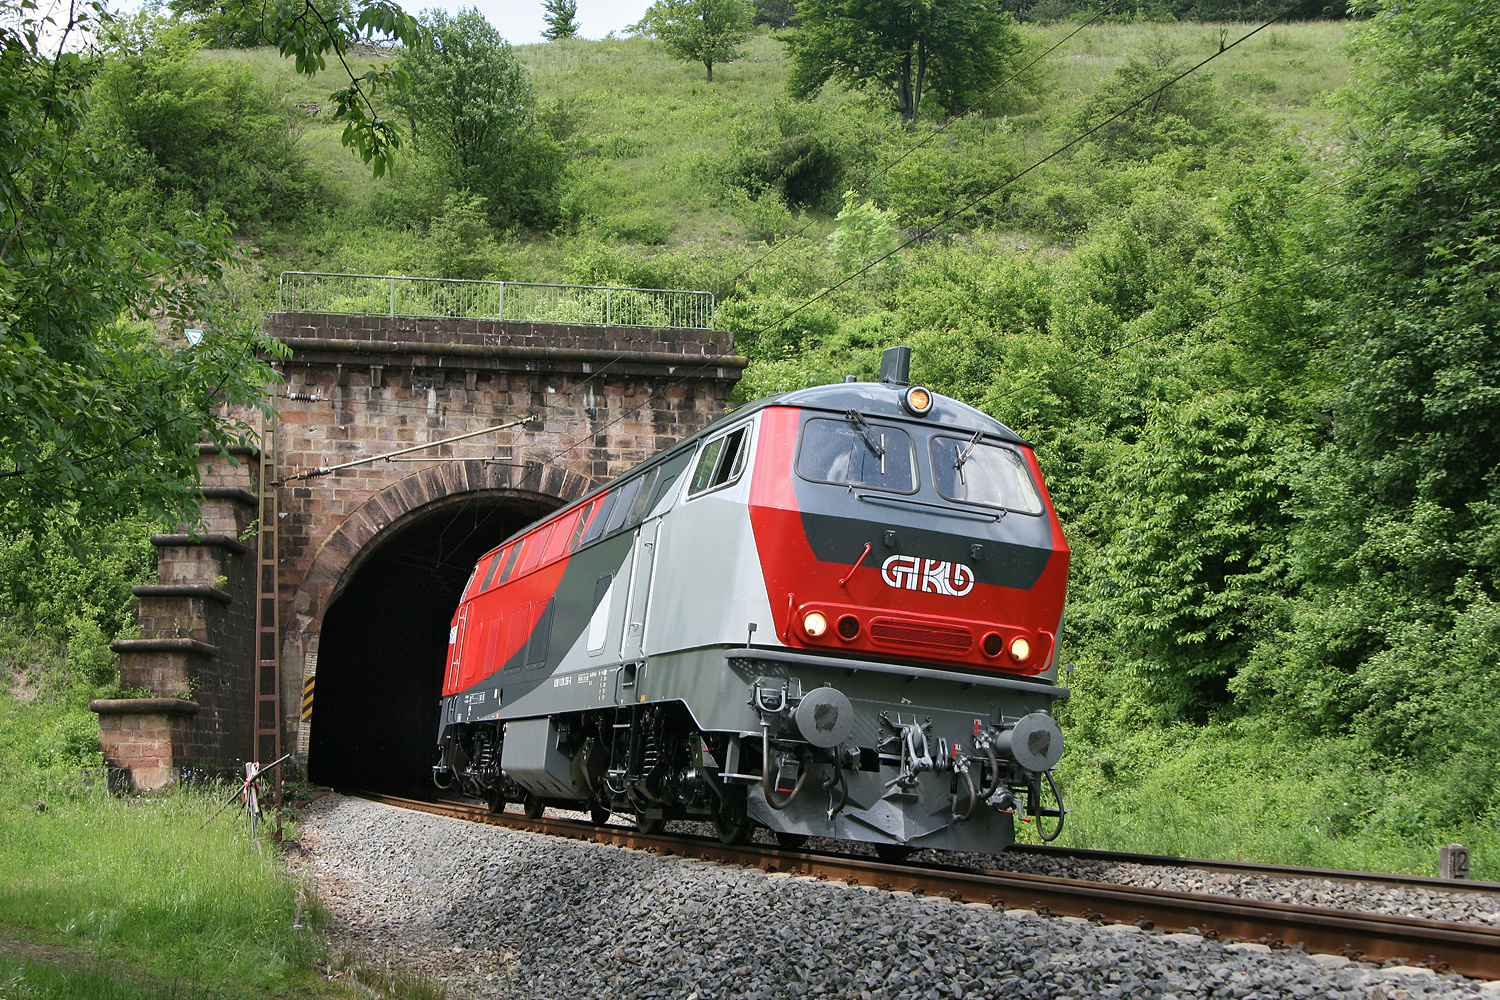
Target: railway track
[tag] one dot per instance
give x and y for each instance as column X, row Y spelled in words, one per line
column 1256, row 868
column 1468, row 949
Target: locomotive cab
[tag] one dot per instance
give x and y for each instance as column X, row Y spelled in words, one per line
column 834, row 612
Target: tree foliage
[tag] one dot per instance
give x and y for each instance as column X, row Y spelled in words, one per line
column 775, row 13
column 183, row 132
column 310, row 33
column 703, row 31
column 901, row 50
column 1396, row 549
column 471, row 104
column 99, row 416
column 222, row 25
column 562, row 19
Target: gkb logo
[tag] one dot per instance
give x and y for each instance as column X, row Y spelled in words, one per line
column 930, row 576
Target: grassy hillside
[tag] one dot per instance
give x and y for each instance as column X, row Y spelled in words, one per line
column 651, row 136
column 1176, row 310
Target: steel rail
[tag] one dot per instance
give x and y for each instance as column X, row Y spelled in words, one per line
column 1468, row 949
column 1257, row 868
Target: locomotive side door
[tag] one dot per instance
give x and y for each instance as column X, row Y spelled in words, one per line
column 637, row 604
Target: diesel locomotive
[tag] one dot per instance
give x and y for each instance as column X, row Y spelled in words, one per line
column 833, row 612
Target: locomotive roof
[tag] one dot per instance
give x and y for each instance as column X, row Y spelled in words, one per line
column 881, row 400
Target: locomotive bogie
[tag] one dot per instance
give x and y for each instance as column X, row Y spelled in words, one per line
column 835, row 613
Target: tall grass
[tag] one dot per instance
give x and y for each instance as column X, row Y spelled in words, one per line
column 1287, row 71
column 1240, row 793
column 650, row 132
column 28, row 979
column 152, row 882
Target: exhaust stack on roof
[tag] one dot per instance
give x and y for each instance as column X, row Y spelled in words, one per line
column 895, row 365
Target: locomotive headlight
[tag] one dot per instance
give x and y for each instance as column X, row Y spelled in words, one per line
column 814, row 624
column 918, row 400
column 1020, row 648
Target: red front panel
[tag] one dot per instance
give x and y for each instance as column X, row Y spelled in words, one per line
column 905, row 605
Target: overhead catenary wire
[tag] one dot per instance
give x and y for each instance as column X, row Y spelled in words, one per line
column 443, row 410
column 926, row 232
column 1300, row 277
column 942, row 129
column 727, row 284
column 328, row 469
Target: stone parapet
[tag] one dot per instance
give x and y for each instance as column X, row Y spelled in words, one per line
column 543, row 340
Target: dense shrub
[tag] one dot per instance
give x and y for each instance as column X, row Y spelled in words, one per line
column 183, row 132
column 471, row 106
column 802, row 161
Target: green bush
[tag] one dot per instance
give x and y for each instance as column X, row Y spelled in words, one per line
column 471, row 106
column 804, row 158
column 1145, row 120
column 183, row 132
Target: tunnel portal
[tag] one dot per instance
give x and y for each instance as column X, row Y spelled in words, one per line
column 390, row 432
column 384, row 639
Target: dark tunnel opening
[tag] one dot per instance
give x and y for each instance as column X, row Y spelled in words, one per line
column 380, row 658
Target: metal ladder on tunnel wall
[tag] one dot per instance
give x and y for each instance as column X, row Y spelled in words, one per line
column 267, row 615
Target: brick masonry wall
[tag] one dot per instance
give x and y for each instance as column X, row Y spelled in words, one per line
column 595, row 401
column 600, row 401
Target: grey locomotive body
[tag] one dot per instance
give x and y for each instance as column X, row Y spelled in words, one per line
column 834, row 612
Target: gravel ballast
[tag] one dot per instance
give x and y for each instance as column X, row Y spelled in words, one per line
column 492, row 912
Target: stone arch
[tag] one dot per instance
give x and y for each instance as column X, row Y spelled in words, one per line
column 396, row 505
column 468, row 499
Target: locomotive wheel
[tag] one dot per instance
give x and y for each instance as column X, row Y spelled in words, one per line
column 733, row 823
column 532, row 806
column 495, row 799
column 790, row 841
column 893, row 854
column 600, row 814
column 649, row 824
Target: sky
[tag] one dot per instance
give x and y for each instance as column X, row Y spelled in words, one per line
column 520, row 21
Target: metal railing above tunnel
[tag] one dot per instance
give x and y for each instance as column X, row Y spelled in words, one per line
column 450, row 298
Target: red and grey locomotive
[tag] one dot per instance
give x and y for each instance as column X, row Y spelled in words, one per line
column 833, row 612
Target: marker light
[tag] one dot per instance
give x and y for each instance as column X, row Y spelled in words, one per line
column 814, row 624
column 992, row 644
column 1020, row 649
column 848, row 627
column 918, row 400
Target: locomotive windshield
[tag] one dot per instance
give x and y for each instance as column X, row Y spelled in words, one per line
column 852, row 452
column 971, row 471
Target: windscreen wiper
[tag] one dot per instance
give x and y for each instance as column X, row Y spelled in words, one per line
column 963, row 456
column 876, row 447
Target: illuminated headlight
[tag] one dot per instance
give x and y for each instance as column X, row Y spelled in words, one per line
column 918, row 400
column 814, row 624
column 1020, row 648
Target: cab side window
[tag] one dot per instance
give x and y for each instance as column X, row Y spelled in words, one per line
column 720, row 462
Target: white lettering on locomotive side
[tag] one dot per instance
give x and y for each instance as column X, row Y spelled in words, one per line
column 930, row 576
